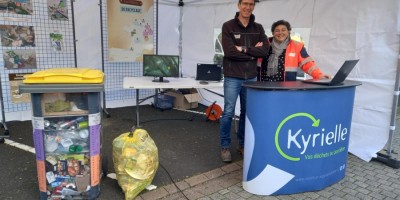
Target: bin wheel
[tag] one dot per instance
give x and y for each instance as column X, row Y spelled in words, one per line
column 2, row 140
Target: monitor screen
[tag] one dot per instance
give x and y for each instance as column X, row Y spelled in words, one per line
column 160, row 66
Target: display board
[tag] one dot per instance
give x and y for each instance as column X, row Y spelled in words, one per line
column 138, row 36
column 35, row 35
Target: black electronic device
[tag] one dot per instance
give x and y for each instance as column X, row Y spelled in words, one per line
column 208, row 72
column 160, row 66
column 339, row 77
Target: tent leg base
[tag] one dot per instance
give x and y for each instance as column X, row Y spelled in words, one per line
column 388, row 160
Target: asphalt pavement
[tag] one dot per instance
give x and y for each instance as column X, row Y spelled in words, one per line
column 190, row 166
column 187, row 144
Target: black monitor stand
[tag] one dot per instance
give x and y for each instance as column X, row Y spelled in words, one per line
column 161, row 80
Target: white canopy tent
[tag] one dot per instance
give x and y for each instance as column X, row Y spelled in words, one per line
column 368, row 30
column 339, row 30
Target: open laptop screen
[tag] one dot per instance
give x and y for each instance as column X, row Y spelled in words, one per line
column 339, row 77
column 209, row 72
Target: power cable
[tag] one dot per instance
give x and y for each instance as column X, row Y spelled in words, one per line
column 170, row 177
column 213, row 112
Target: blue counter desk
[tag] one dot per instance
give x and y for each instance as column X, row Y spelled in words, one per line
column 297, row 136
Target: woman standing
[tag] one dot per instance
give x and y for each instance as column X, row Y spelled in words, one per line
column 286, row 56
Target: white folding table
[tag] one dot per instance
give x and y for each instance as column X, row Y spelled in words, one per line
column 147, row 83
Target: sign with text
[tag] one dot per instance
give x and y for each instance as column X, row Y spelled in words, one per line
column 130, row 29
column 296, row 140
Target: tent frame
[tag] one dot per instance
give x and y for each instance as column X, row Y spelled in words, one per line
column 386, row 156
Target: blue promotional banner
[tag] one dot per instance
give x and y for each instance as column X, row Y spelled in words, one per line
column 296, row 140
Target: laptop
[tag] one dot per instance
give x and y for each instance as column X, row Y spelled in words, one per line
column 208, row 72
column 339, row 77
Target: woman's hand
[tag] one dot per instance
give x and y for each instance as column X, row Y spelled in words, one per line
column 325, row 76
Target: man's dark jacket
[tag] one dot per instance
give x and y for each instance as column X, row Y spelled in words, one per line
column 239, row 64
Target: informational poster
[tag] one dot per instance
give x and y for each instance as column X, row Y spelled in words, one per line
column 19, row 59
column 56, row 40
column 130, row 29
column 16, row 96
column 22, row 7
column 17, row 36
column 58, row 9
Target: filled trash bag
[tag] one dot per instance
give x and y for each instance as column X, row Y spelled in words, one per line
column 135, row 158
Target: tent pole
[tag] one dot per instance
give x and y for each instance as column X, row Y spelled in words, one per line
column 102, row 59
column 386, row 156
column 180, row 36
column 156, row 22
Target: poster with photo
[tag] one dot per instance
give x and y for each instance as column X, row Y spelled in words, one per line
column 17, row 36
column 19, row 59
column 57, row 41
column 15, row 82
column 21, row 7
column 130, row 29
column 57, row 9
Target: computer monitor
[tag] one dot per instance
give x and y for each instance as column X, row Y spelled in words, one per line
column 160, row 66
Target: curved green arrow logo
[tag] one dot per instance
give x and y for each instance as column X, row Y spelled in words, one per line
column 315, row 124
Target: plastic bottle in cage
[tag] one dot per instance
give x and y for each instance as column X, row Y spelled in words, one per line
column 70, row 123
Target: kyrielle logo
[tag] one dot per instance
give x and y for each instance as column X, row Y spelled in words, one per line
column 295, row 139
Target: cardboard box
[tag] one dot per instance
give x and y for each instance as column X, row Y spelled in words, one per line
column 56, row 104
column 185, row 100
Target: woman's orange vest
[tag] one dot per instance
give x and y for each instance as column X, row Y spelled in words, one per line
column 294, row 59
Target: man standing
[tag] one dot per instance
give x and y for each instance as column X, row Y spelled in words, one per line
column 243, row 41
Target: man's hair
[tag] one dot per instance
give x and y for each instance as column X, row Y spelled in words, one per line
column 281, row 22
column 240, row 1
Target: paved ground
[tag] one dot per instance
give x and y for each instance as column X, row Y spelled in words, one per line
column 188, row 150
column 187, row 143
column 363, row 180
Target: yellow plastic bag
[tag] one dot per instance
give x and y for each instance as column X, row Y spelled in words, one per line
column 135, row 158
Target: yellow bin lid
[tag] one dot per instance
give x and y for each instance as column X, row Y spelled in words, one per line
column 66, row 75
